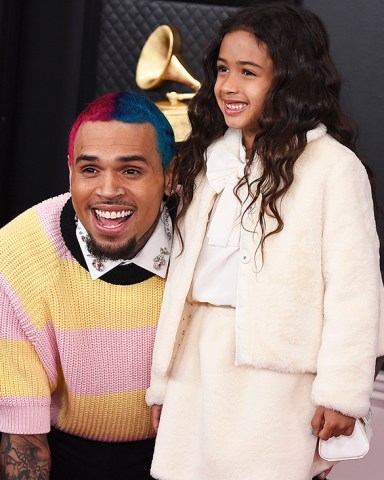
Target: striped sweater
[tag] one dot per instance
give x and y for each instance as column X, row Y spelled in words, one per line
column 74, row 353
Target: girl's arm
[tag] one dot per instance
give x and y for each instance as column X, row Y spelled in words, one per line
column 156, row 414
column 352, row 294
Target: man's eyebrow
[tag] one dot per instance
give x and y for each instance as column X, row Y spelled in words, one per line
column 132, row 158
column 86, row 158
column 122, row 158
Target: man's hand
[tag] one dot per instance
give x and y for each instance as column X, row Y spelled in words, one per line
column 156, row 414
column 24, row 456
column 327, row 423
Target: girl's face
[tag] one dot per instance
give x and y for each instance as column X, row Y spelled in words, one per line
column 244, row 77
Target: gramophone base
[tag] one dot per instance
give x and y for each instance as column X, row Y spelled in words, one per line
column 178, row 118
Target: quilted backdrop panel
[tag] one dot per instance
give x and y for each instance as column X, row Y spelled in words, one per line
column 125, row 27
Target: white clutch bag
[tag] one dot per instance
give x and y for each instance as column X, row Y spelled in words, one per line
column 348, row 448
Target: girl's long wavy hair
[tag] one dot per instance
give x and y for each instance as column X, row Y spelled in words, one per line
column 305, row 92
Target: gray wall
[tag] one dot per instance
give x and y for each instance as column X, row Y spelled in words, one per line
column 356, row 31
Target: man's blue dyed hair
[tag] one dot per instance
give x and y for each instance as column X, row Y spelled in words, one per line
column 128, row 107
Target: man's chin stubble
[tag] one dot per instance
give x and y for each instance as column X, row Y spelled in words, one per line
column 111, row 252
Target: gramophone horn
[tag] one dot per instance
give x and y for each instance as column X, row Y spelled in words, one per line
column 158, row 61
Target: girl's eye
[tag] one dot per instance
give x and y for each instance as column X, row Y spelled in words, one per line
column 222, row 68
column 248, row 73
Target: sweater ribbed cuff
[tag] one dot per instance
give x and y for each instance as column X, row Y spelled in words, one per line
column 30, row 420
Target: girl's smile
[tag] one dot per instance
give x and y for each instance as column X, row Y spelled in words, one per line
column 232, row 108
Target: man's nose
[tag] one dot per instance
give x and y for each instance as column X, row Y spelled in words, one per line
column 110, row 186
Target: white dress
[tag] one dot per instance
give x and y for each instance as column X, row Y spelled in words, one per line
column 226, row 422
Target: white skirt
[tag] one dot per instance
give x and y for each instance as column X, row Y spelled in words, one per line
column 225, row 422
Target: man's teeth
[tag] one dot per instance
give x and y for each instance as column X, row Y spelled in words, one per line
column 236, row 106
column 113, row 215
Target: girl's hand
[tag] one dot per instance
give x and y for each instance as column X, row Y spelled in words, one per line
column 156, row 414
column 327, row 423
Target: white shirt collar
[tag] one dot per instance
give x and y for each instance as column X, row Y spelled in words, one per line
column 154, row 256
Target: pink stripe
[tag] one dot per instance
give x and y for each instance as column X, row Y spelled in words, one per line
column 24, row 401
column 49, row 216
column 103, row 361
column 27, row 420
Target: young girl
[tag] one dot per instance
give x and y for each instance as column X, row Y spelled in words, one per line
column 270, row 323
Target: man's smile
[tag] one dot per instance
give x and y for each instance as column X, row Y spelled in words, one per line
column 111, row 219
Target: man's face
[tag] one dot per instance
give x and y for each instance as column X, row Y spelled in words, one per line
column 117, row 185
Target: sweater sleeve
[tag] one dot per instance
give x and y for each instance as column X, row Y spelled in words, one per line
column 24, row 386
column 350, row 257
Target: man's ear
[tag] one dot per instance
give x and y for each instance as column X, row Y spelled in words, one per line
column 70, row 175
column 171, row 176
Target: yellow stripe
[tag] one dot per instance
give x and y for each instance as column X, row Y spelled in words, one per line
column 111, row 417
column 83, row 304
column 26, row 252
column 21, row 372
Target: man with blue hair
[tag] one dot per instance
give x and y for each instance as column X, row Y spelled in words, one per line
column 81, row 284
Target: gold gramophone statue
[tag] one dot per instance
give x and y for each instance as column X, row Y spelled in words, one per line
column 159, row 61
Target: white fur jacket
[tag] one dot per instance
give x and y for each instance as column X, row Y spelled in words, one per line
column 314, row 303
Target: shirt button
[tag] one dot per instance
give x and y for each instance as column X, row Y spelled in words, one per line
column 245, row 256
